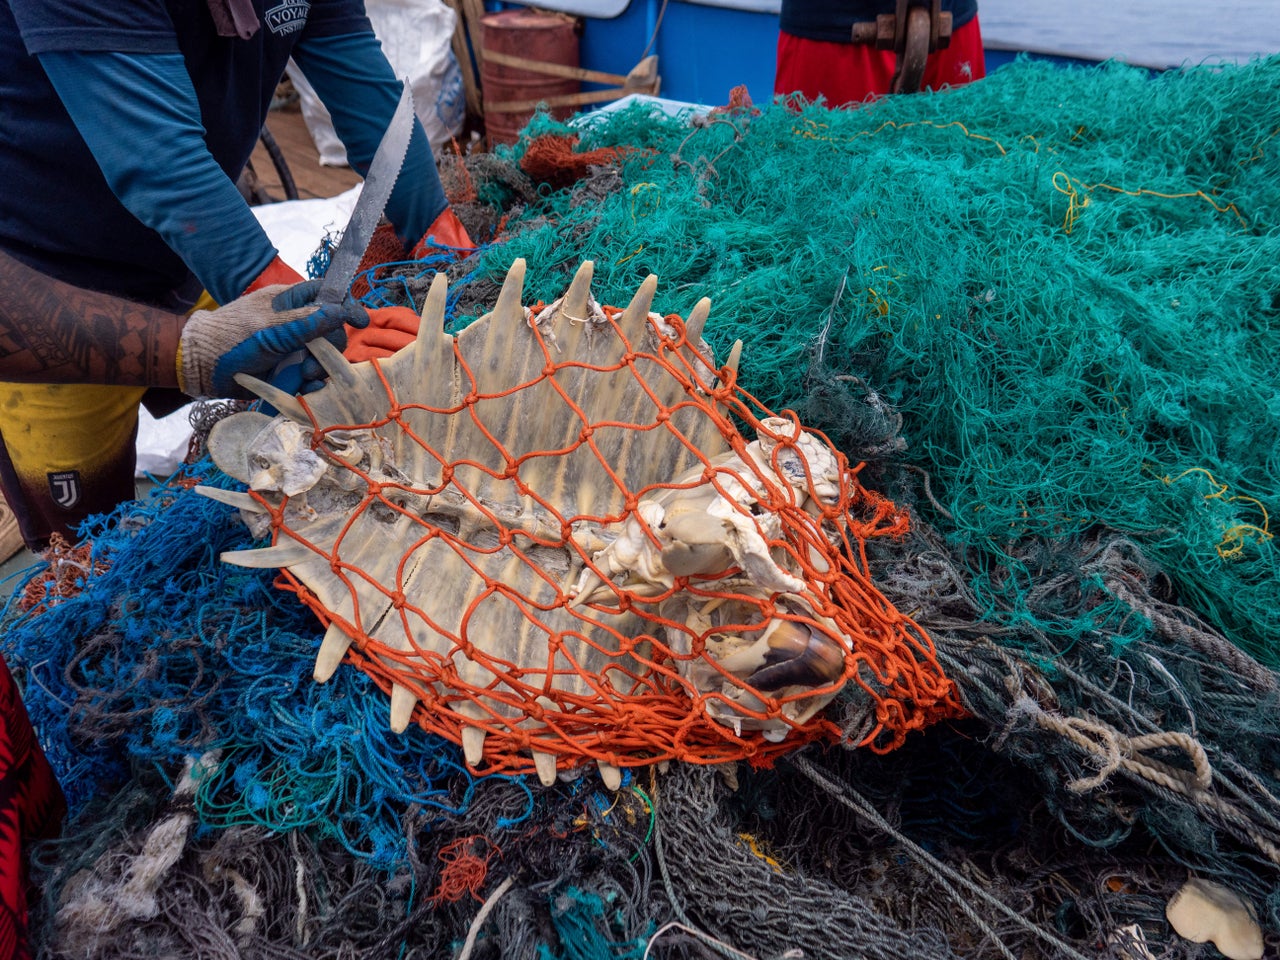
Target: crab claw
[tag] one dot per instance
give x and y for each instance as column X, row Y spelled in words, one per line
column 590, row 588
column 694, row 541
column 798, row 655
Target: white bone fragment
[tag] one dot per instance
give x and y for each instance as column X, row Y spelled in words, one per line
column 611, row 775
column 286, row 403
column 432, row 325
column 1129, row 942
column 403, row 700
column 693, row 327
column 276, row 459
column 332, row 649
column 735, row 356
column 573, row 304
column 545, row 764
column 751, row 551
column 473, row 745
column 229, row 442
column 337, row 366
column 232, row 498
column 508, row 311
column 1203, row 911
column 590, row 588
column 634, row 321
column 281, row 555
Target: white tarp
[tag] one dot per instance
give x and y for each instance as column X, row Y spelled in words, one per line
column 297, row 228
column 416, row 37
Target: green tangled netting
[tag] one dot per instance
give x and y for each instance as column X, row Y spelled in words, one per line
column 1066, row 281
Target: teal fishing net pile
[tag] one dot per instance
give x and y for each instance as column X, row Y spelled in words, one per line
column 1064, row 280
column 1043, row 310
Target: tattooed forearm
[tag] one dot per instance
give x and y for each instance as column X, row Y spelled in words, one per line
column 53, row 332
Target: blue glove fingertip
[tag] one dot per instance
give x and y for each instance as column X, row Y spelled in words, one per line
column 348, row 313
column 312, row 369
column 297, row 296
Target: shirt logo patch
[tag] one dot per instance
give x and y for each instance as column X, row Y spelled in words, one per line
column 288, row 17
column 64, row 487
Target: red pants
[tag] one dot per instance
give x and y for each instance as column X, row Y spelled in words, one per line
column 31, row 806
column 846, row 73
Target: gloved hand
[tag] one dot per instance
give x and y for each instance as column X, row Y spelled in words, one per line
column 255, row 333
column 389, row 329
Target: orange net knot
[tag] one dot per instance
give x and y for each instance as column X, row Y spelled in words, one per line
column 554, row 160
column 465, row 868
column 69, row 568
column 739, row 102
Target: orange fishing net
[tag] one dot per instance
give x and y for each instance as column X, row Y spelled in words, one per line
column 69, row 567
column 569, row 550
column 554, row 160
column 384, row 248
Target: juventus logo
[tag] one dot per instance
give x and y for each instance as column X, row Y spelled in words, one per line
column 64, row 486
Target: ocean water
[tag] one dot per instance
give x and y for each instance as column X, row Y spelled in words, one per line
column 1157, row 33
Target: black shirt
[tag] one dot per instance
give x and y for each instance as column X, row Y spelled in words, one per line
column 833, row 20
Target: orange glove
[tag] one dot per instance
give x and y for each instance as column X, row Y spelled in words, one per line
column 389, row 330
column 445, row 235
column 277, row 272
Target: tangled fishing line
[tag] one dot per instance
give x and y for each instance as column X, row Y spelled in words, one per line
column 1053, row 341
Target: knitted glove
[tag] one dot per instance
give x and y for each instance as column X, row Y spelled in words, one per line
column 254, row 334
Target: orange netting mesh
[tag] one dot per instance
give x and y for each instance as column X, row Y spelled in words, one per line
column 384, row 248
column 554, row 160
column 465, row 867
column 69, row 568
column 707, row 668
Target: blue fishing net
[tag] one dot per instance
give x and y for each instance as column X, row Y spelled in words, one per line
column 171, row 653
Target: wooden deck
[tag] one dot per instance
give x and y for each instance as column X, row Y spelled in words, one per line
column 303, row 160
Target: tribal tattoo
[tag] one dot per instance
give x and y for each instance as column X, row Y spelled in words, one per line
column 53, row 332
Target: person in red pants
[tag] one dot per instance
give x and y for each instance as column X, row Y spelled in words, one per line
column 818, row 58
column 31, row 808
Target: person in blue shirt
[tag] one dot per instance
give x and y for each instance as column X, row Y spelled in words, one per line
column 123, row 129
column 54, row 332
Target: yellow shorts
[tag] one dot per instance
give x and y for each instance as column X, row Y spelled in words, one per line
column 68, row 450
